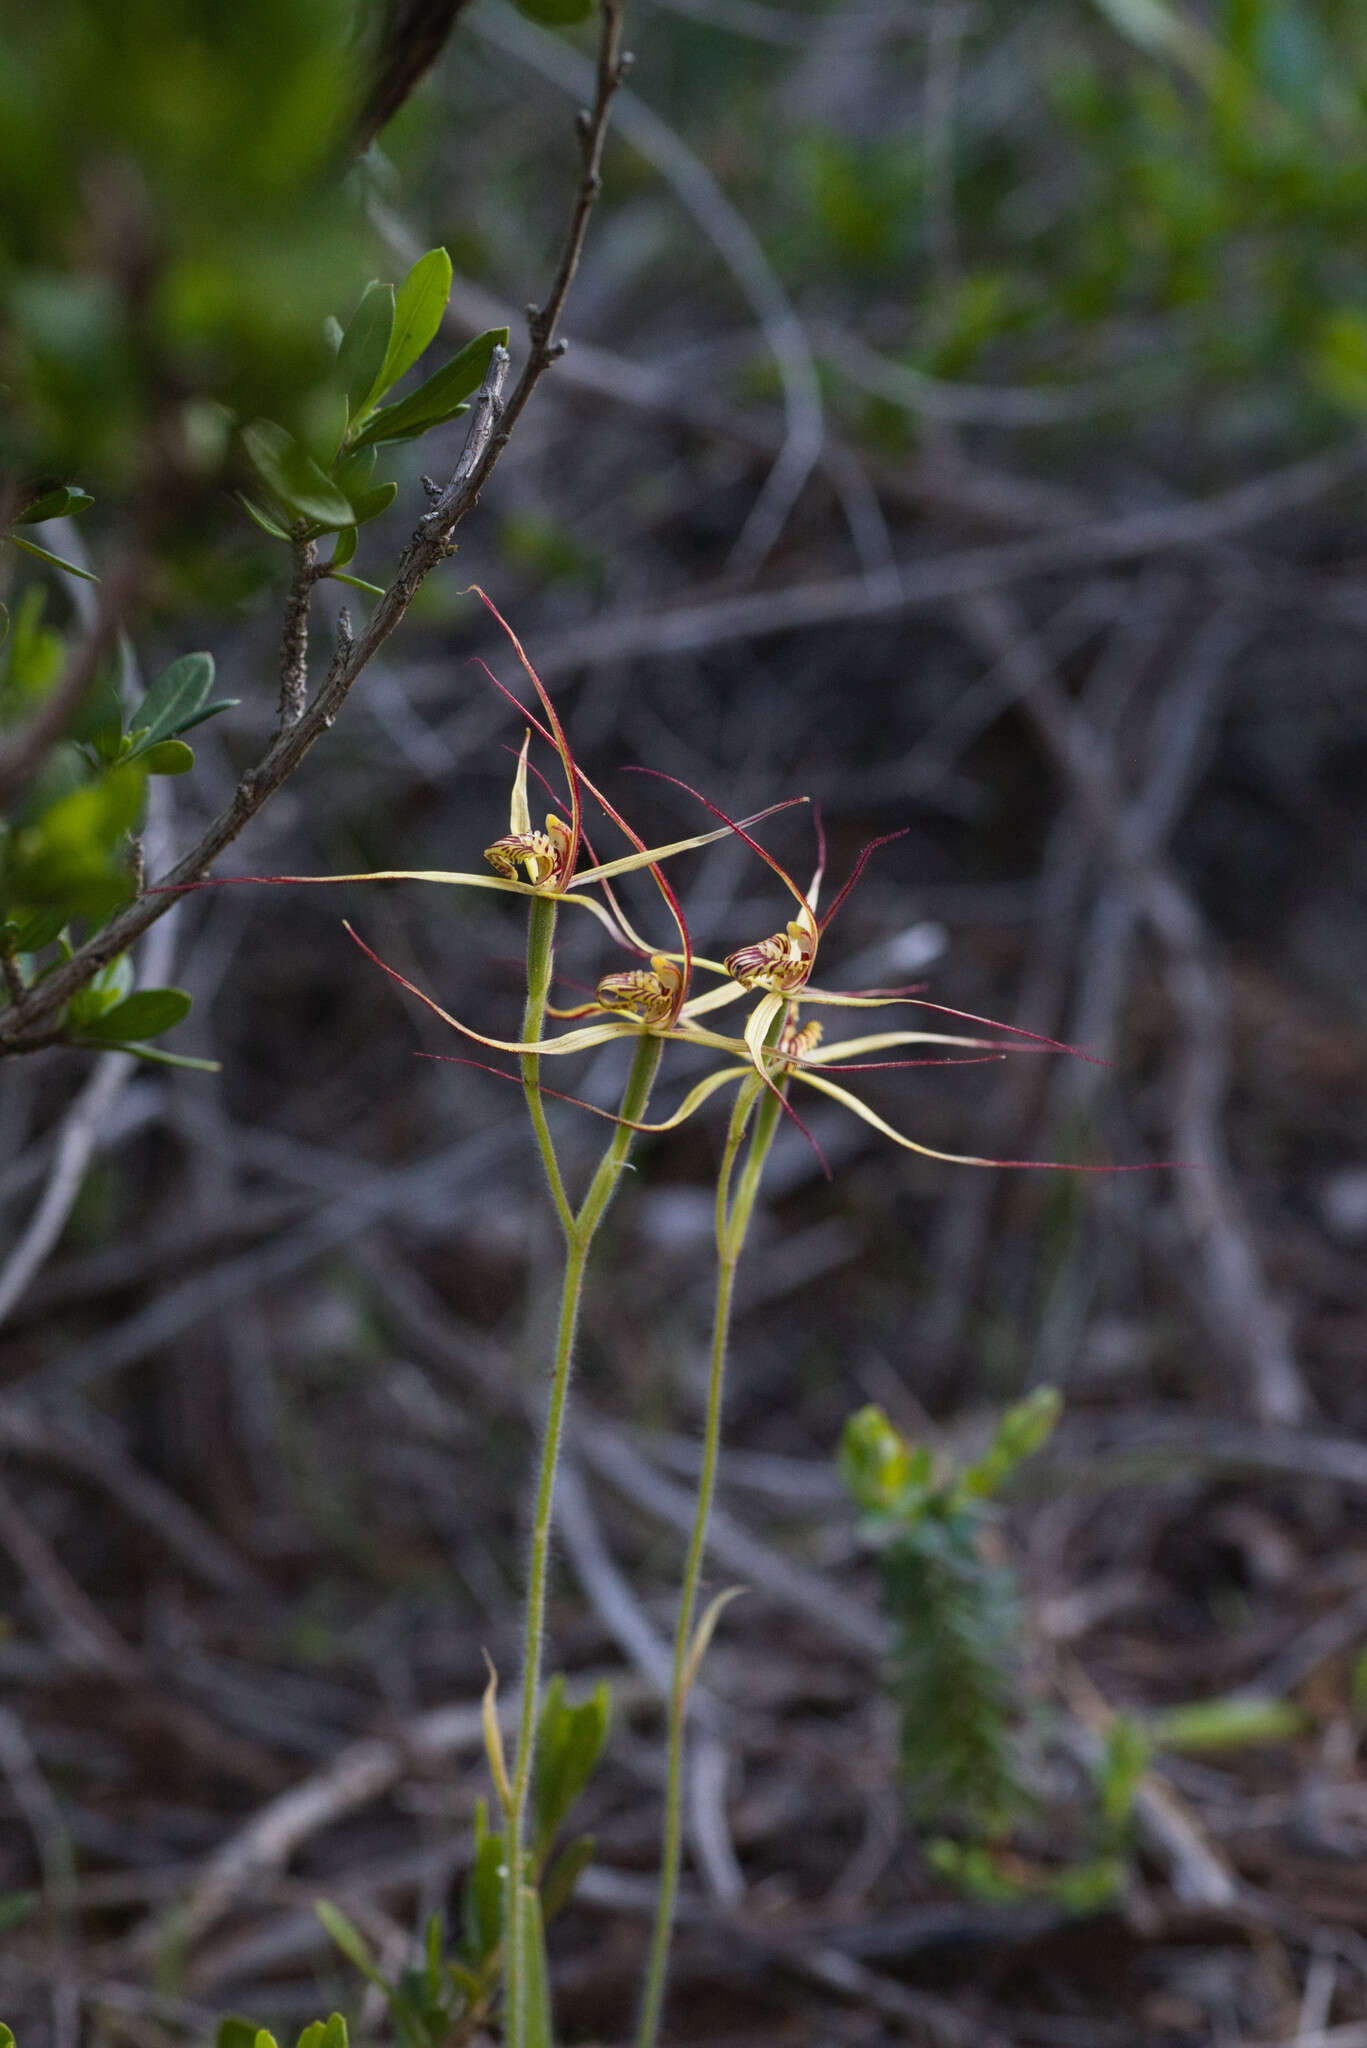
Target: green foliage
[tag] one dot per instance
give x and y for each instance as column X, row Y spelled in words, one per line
column 443, row 1999
column 317, row 479
column 569, row 1742
column 235, row 2032
column 131, row 264
column 65, row 852
column 957, row 1626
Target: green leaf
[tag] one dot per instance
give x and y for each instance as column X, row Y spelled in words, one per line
column 359, row 583
column 874, row 1461
column 6, row 2037
column 31, row 934
column 354, row 471
column 31, row 547
column 265, row 2039
column 210, row 711
column 556, row 13
column 418, row 307
column 175, row 700
column 349, row 1940
column 344, row 549
column 73, row 857
column 1225, row 1723
column 63, row 503
column 432, row 1947
column 109, row 986
column 481, row 1902
column 156, row 1056
column 293, row 475
column 263, row 519
column 368, row 505
column 235, row 2032
column 535, row 1975
column 365, row 348
column 564, row 1874
column 1022, row 1431
column 569, row 1742
column 328, row 2033
column 99, row 722
column 440, row 398
column 144, row 1014
column 167, row 757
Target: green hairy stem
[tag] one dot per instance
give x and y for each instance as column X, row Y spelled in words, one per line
column 733, row 1216
column 580, row 1227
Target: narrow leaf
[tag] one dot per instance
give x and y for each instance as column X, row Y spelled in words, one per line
column 359, row 583
column 62, row 503
column 564, row 1874
column 440, row 398
column 263, row 519
column 144, row 1014
column 418, row 307
column 493, row 1739
column 156, row 1056
column 293, row 475
column 703, row 1634
column 535, row 1975
column 31, row 547
column 344, row 548
column 349, row 1940
column 364, row 348
column 209, row 711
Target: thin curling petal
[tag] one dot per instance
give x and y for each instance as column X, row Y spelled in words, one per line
column 871, row 1117
column 519, row 812
column 568, row 1041
column 723, row 1077
column 498, row 883
column 883, row 1041
column 559, row 742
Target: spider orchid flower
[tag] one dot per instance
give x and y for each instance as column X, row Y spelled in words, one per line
column 545, row 862
column 799, row 1052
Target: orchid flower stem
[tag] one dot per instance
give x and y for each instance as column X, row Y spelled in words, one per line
column 733, row 1221
column 540, row 966
column 580, row 1227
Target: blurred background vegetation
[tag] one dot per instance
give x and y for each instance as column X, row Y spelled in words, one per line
column 962, row 425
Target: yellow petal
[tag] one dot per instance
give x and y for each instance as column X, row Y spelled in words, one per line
column 644, row 857
column 568, row 1041
column 694, row 1099
column 882, row 1041
column 872, row 1117
column 519, row 815
column 757, row 1030
column 713, row 998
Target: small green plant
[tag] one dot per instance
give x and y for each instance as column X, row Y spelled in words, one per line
column 450, row 1993
column 955, row 1612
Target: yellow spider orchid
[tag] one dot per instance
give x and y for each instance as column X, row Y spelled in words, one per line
column 545, row 863
column 776, row 1045
column 799, row 1052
